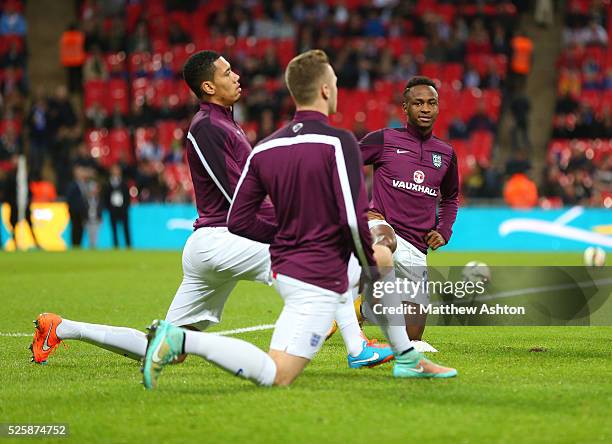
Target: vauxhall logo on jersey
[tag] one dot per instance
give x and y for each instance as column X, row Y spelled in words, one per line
column 418, row 177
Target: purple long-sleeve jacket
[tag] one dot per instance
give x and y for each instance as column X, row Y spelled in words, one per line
column 217, row 150
column 312, row 173
column 411, row 173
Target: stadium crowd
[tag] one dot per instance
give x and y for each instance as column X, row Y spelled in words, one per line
column 135, row 108
column 580, row 153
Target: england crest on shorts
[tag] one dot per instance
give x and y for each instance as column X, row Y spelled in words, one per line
column 436, row 159
column 315, row 339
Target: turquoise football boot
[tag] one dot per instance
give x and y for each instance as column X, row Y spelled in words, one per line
column 165, row 344
column 371, row 355
column 414, row 365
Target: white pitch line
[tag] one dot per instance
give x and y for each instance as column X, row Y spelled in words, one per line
column 244, row 330
column 222, row 333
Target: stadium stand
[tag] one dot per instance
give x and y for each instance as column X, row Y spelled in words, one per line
column 580, row 151
column 14, row 85
column 374, row 49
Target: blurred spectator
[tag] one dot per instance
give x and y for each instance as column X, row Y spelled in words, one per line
column 520, row 63
column 116, row 36
column 474, row 183
column 150, row 182
column 499, row 42
column 65, row 135
column 95, row 66
column 266, row 124
column 151, row 149
column 176, row 34
column 39, row 132
column 478, row 42
column 520, row 107
column 12, row 83
column 10, row 197
column 471, row 78
column 457, row 128
column 12, row 22
column 566, row 104
column 359, row 129
column 72, row 56
column 10, row 143
column 141, row 115
column 520, row 192
column 588, row 126
column 117, row 201
column 139, row 40
column 405, row 68
column 518, row 163
column 14, row 57
column 76, row 198
column 94, row 212
column 480, row 121
column 270, row 66
column 116, row 119
column 364, row 74
column 435, row 50
column 83, row 159
column 96, row 115
column 492, row 78
column 373, row 26
column 592, row 34
column 570, row 82
column 544, row 13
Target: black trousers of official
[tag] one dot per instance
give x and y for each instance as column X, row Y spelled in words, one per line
column 76, row 231
column 116, row 218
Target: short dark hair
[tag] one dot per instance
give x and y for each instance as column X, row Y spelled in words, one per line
column 419, row 80
column 199, row 68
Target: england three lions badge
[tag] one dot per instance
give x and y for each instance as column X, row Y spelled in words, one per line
column 436, row 159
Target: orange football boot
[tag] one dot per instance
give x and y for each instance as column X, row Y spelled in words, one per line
column 45, row 337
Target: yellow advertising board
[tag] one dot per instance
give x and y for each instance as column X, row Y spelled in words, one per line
column 49, row 221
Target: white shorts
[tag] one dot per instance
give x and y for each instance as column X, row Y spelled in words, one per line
column 214, row 260
column 409, row 263
column 306, row 318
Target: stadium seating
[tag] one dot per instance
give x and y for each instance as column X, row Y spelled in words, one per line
column 582, row 137
column 154, row 78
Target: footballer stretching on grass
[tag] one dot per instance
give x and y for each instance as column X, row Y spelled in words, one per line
column 214, row 260
column 312, row 173
column 413, row 170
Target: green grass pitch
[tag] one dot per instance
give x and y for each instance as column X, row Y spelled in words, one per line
column 504, row 392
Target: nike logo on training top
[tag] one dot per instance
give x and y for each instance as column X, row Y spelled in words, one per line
column 45, row 345
column 406, row 187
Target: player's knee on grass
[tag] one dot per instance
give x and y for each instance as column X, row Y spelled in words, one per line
column 385, row 236
column 288, row 367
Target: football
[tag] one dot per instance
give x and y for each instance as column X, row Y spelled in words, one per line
column 594, row 257
column 475, row 271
